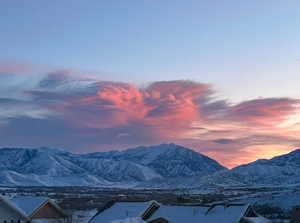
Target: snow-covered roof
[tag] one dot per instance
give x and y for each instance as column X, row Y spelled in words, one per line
column 121, row 211
column 196, row 214
column 28, row 204
column 7, row 202
column 259, row 219
column 130, row 220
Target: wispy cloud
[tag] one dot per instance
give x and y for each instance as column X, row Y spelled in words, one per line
column 15, row 68
column 265, row 112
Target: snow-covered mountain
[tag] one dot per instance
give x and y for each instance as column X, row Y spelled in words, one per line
column 162, row 166
column 284, row 169
column 280, row 170
column 49, row 167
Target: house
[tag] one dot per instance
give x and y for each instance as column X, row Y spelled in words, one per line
column 9, row 213
column 30, row 209
column 153, row 212
column 126, row 212
column 213, row 214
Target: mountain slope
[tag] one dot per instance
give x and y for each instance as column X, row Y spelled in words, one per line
column 280, row 170
column 48, row 167
column 284, row 169
column 170, row 160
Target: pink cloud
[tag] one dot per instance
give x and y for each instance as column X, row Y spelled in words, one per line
column 99, row 115
column 166, row 107
column 264, row 112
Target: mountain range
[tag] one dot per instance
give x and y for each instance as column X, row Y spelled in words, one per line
column 161, row 166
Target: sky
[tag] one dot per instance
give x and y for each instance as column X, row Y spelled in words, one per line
column 220, row 77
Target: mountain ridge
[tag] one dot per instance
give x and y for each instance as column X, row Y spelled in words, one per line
column 160, row 166
column 51, row 167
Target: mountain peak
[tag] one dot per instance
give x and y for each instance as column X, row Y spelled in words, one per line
column 49, row 150
column 161, row 148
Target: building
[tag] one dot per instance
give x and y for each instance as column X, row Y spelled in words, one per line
column 9, row 213
column 30, row 209
column 153, row 212
column 235, row 213
column 126, row 212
